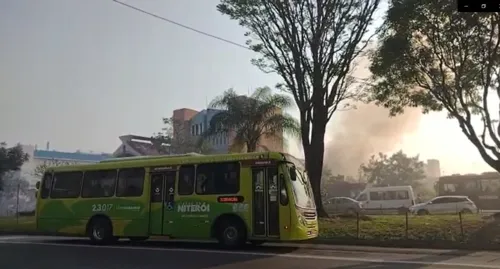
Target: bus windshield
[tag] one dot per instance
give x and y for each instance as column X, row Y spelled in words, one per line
column 301, row 188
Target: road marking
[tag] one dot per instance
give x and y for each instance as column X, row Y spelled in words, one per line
column 11, row 237
column 295, row 256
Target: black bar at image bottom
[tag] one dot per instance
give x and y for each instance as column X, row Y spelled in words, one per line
column 478, row 6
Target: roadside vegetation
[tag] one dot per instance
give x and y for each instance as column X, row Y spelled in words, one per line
column 474, row 229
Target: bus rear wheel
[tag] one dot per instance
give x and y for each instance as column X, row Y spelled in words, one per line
column 231, row 233
column 100, row 231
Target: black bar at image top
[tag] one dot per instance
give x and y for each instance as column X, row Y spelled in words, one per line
column 478, row 5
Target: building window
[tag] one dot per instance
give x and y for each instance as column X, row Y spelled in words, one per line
column 192, row 130
column 66, row 185
column 99, row 183
column 218, row 178
column 130, row 182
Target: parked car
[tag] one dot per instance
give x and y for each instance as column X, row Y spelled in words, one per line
column 342, row 205
column 390, row 199
column 445, row 205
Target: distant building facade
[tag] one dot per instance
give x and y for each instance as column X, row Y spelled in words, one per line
column 432, row 169
column 194, row 123
column 47, row 156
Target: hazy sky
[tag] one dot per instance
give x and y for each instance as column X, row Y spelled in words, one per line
column 80, row 73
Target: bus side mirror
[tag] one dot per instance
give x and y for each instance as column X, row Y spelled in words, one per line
column 283, row 194
column 293, row 174
column 37, row 185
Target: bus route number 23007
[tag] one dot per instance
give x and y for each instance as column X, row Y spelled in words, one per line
column 101, row 207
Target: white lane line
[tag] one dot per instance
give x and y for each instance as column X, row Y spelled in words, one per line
column 12, row 237
column 295, row 256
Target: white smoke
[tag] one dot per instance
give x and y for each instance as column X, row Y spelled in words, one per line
column 17, row 195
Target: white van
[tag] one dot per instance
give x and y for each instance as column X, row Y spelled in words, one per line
column 383, row 200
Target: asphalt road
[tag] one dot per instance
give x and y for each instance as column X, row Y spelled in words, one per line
column 62, row 253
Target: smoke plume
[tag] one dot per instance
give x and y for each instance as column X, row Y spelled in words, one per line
column 359, row 133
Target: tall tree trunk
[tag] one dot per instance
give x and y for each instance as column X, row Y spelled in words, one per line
column 251, row 146
column 314, row 150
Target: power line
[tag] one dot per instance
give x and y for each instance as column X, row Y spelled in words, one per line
column 188, row 27
column 181, row 25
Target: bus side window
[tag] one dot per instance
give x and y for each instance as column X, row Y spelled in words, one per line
column 130, row 182
column 218, row 178
column 66, row 185
column 186, row 180
column 46, row 186
column 99, row 183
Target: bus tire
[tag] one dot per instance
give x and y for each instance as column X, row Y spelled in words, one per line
column 231, row 232
column 422, row 212
column 100, row 231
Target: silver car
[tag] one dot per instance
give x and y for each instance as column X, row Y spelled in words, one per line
column 342, row 205
column 445, row 205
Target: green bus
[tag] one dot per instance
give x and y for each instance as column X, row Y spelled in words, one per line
column 234, row 198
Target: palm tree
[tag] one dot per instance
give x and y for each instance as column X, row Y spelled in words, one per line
column 252, row 118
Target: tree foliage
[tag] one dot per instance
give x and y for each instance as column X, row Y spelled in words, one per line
column 11, row 159
column 250, row 119
column 396, row 170
column 177, row 136
column 439, row 59
column 311, row 45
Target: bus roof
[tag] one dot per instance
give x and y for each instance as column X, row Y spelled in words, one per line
column 155, row 161
column 458, row 178
column 150, row 157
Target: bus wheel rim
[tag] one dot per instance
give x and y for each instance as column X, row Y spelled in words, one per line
column 97, row 233
column 231, row 233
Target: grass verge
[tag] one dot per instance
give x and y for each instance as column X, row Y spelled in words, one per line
column 17, row 224
column 473, row 228
column 423, row 231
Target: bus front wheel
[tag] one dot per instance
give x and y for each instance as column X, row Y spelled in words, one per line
column 100, row 231
column 231, row 233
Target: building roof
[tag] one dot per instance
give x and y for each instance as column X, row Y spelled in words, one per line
column 74, row 156
column 135, row 145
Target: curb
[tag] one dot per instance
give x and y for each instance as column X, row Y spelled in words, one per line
column 404, row 246
column 348, row 245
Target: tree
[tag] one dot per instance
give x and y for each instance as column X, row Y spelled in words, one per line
column 439, row 59
column 396, row 170
column 312, row 46
column 251, row 119
column 11, row 159
column 177, row 135
column 41, row 168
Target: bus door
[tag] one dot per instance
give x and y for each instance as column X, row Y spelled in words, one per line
column 265, row 205
column 162, row 201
